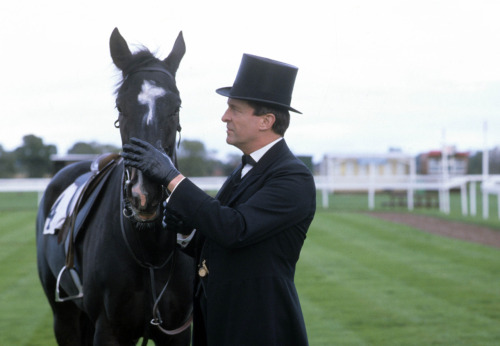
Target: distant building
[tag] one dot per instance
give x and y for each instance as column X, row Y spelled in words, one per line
column 431, row 163
column 394, row 163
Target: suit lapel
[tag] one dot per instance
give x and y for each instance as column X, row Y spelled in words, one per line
column 274, row 154
column 226, row 189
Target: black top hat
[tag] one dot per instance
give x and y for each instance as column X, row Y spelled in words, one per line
column 263, row 80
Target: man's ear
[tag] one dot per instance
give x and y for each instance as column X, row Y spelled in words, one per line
column 267, row 121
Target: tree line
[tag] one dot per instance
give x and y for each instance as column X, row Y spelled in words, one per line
column 33, row 158
column 475, row 164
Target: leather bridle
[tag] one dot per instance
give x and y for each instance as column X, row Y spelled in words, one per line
column 157, row 320
column 128, row 212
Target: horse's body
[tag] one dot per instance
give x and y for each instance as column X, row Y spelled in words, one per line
column 125, row 262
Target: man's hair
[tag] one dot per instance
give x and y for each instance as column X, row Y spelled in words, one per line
column 282, row 115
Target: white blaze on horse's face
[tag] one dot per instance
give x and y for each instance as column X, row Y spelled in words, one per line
column 149, row 93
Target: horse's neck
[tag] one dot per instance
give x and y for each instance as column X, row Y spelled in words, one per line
column 151, row 245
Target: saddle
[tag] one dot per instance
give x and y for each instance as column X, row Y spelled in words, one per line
column 92, row 184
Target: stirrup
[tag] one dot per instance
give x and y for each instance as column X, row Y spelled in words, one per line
column 76, row 280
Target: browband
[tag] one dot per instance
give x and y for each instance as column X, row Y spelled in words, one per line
column 152, row 69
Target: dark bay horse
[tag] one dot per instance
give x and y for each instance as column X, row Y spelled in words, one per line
column 134, row 283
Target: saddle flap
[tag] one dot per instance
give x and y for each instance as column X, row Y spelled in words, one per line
column 65, row 204
column 69, row 214
column 87, row 198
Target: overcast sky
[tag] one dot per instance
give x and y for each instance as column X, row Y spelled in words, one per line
column 372, row 74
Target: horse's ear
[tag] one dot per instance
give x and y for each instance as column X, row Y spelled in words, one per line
column 174, row 58
column 120, row 53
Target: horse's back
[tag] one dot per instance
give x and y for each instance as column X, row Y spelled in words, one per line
column 59, row 183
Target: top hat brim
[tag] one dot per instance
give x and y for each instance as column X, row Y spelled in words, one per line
column 227, row 92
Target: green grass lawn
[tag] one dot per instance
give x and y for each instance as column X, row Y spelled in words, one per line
column 341, row 202
column 361, row 281
column 25, row 317
column 364, row 281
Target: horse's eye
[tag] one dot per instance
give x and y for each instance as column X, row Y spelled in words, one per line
column 118, row 109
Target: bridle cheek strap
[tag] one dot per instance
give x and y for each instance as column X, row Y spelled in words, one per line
column 179, row 128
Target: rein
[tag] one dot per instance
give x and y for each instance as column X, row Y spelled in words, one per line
column 157, row 320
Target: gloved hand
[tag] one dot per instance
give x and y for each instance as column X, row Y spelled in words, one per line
column 154, row 163
column 174, row 223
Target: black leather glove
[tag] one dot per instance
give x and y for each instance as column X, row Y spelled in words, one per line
column 154, row 163
column 174, row 223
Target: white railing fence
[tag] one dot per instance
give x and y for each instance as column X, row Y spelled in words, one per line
column 326, row 185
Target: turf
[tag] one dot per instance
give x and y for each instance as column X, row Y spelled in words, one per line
column 364, row 281
column 361, row 281
column 25, row 314
column 355, row 202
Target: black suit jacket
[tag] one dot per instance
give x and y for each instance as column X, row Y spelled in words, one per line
column 251, row 244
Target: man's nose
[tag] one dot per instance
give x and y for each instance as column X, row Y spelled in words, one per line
column 225, row 117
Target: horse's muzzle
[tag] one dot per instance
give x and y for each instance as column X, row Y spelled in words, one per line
column 143, row 196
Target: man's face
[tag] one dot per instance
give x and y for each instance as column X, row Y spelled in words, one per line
column 242, row 126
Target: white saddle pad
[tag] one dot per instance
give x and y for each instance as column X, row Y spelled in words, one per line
column 62, row 207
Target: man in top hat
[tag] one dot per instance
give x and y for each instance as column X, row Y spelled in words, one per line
column 247, row 239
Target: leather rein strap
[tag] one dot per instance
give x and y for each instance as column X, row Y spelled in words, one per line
column 156, row 321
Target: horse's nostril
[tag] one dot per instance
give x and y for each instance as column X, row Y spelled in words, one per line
column 144, row 196
column 139, row 196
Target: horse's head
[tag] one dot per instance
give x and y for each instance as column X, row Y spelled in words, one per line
column 148, row 103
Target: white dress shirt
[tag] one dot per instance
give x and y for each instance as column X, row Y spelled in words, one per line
column 257, row 155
